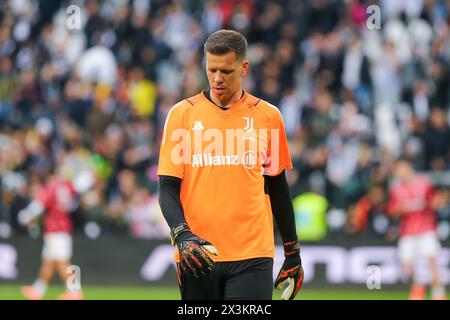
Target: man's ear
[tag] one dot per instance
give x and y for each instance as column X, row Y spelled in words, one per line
column 245, row 67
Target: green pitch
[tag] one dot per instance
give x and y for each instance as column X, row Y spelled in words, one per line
column 12, row 292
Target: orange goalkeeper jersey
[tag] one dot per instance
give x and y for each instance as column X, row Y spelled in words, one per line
column 221, row 156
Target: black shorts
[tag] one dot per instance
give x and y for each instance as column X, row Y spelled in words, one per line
column 237, row 280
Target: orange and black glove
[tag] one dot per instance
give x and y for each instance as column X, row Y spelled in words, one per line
column 194, row 259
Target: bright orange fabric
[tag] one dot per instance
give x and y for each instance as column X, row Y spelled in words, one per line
column 223, row 185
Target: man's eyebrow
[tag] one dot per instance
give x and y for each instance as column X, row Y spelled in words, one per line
column 221, row 69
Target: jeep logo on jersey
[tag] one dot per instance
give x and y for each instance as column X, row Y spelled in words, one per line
column 247, row 147
column 249, row 159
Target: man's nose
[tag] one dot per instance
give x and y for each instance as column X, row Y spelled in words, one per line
column 218, row 77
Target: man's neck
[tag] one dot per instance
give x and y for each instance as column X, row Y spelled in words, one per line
column 226, row 104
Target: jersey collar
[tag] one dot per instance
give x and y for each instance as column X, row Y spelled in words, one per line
column 232, row 108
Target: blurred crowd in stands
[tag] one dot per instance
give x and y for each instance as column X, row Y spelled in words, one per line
column 353, row 98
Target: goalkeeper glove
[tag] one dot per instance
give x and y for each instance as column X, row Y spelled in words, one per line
column 194, row 259
column 290, row 276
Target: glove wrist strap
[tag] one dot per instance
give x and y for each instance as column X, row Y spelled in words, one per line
column 175, row 232
column 291, row 248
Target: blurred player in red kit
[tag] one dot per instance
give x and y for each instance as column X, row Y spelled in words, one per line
column 55, row 200
column 414, row 201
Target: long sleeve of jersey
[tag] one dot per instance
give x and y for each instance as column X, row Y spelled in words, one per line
column 282, row 208
column 169, row 200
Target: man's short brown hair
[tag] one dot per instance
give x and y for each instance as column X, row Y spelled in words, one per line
column 223, row 41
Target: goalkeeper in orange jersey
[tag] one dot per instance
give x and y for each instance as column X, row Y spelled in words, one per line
column 221, row 167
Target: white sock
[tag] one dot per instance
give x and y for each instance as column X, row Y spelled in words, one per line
column 438, row 291
column 40, row 286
